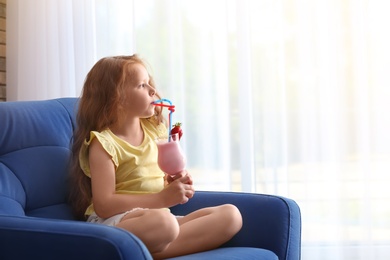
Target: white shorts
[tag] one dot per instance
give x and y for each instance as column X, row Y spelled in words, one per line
column 114, row 220
column 111, row 221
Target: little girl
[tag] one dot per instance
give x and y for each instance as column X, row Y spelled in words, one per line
column 115, row 177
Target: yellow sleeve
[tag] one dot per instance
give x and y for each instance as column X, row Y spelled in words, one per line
column 84, row 151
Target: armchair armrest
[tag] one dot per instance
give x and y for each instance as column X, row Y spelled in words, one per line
column 38, row 238
column 269, row 222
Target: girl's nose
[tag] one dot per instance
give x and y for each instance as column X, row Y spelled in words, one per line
column 152, row 91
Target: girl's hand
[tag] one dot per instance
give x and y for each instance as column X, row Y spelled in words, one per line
column 178, row 191
column 180, row 175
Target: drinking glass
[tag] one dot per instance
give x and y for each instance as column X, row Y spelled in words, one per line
column 171, row 158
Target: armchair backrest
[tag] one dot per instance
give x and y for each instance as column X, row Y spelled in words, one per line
column 35, row 148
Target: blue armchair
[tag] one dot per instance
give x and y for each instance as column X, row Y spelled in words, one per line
column 36, row 222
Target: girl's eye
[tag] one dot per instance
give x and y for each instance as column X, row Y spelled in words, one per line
column 142, row 85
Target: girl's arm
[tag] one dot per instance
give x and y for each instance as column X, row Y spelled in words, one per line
column 107, row 203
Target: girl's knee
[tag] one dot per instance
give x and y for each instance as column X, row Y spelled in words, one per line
column 157, row 228
column 232, row 217
column 166, row 223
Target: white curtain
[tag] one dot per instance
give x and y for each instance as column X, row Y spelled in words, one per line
column 280, row 97
column 50, row 47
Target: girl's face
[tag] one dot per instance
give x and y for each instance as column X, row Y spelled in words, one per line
column 139, row 94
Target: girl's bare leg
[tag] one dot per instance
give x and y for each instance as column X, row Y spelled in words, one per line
column 204, row 229
column 157, row 228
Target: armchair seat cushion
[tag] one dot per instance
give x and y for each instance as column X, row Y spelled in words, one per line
column 232, row 253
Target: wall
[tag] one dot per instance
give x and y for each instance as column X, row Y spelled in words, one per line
column 3, row 4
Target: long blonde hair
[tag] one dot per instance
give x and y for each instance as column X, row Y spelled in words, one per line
column 100, row 106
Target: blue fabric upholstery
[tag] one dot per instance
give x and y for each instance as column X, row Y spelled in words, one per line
column 36, row 221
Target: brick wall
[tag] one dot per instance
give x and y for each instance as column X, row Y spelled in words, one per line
column 3, row 4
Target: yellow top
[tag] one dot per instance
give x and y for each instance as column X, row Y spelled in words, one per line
column 136, row 167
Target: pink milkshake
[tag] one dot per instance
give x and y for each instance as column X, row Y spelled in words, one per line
column 171, row 159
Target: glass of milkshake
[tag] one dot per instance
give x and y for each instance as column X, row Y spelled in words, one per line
column 171, row 158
